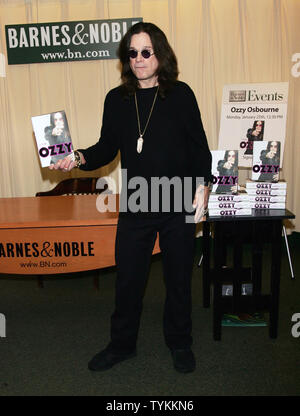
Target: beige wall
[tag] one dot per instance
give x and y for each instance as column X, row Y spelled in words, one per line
column 217, row 42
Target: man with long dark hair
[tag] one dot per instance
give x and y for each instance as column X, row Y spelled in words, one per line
column 154, row 120
column 57, row 132
column 256, row 133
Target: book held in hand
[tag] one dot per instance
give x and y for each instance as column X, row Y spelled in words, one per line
column 52, row 137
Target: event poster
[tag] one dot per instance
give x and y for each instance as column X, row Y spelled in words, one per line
column 251, row 113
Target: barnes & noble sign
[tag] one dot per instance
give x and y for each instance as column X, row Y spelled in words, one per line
column 65, row 41
column 54, row 256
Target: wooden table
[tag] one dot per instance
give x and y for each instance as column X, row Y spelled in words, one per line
column 256, row 229
column 56, row 234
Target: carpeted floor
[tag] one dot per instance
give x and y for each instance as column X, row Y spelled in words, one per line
column 51, row 334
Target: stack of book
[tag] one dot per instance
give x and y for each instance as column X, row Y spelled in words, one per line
column 229, row 205
column 266, row 195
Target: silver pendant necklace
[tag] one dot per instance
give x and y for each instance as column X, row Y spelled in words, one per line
column 140, row 140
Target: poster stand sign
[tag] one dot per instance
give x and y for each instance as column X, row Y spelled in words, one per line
column 250, row 113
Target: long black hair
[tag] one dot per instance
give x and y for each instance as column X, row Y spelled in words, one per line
column 277, row 154
column 63, row 115
column 261, row 134
column 167, row 71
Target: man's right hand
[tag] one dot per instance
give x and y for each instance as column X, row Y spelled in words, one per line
column 66, row 164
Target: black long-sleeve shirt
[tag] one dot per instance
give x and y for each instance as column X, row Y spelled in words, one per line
column 175, row 143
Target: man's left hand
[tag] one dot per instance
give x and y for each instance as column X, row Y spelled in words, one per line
column 200, row 203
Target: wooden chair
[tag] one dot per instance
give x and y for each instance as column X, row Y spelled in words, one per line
column 75, row 186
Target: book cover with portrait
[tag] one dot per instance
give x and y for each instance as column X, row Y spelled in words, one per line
column 225, row 171
column 266, row 161
column 52, row 137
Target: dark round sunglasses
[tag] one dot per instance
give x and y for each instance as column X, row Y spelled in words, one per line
column 132, row 53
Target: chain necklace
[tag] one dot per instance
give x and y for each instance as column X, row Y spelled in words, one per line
column 140, row 140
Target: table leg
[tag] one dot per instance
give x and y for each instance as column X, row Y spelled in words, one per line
column 275, row 277
column 237, row 267
column 217, row 307
column 206, row 265
column 257, row 250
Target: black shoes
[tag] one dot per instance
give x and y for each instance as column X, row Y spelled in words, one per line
column 105, row 359
column 183, row 360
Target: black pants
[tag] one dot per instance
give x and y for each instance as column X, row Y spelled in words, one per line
column 134, row 245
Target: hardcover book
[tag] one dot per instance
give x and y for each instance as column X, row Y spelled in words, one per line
column 218, row 212
column 266, row 185
column 268, row 205
column 52, row 137
column 239, row 197
column 229, row 205
column 267, row 199
column 266, row 161
column 225, row 171
column 266, row 192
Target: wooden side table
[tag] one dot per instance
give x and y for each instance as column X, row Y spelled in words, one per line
column 260, row 227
